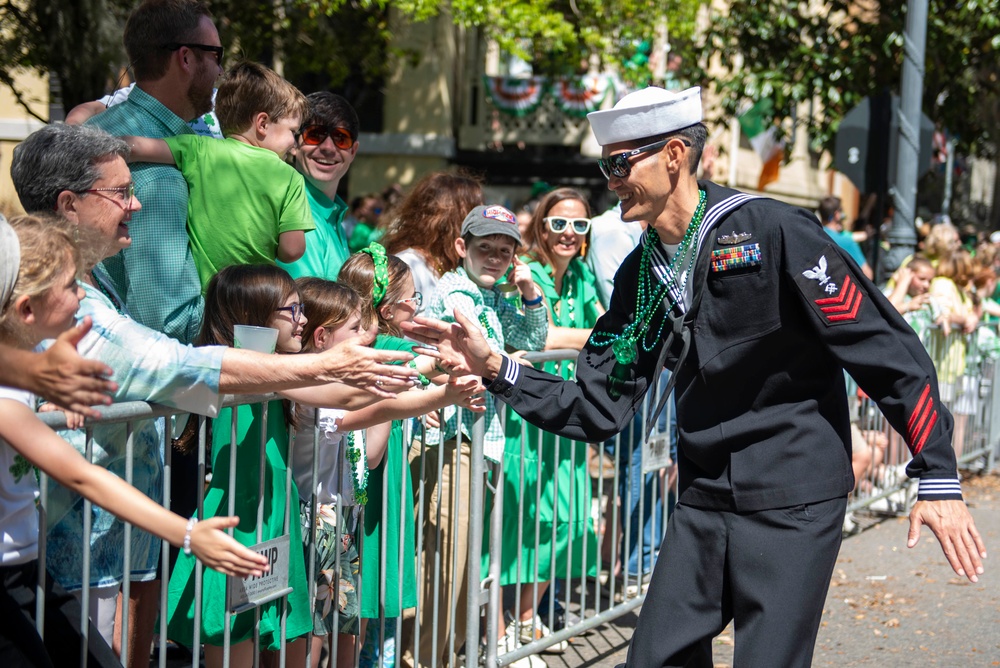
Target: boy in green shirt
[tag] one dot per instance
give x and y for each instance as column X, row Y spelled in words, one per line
column 245, row 205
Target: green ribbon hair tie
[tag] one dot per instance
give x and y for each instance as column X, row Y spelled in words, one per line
column 381, row 282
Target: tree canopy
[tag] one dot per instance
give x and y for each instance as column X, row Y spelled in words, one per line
column 791, row 52
column 834, row 57
column 338, row 42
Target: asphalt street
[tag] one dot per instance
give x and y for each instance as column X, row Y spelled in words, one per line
column 887, row 605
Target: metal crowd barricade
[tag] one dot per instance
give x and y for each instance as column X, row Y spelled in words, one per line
column 485, row 487
column 966, row 369
column 596, row 594
column 132, row 414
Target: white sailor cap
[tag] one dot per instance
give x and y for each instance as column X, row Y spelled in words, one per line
column 646, row 113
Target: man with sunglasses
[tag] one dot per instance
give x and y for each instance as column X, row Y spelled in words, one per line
column 176, row 55
column 759, row 314
column 327, row 145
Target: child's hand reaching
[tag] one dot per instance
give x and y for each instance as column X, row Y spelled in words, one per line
column 521, row 277
column 433, row 419
column 467, row 392
column 518, row 356
column 73, row 420
column 217, row 550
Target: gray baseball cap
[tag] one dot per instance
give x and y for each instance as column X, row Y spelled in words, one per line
column 484, row 221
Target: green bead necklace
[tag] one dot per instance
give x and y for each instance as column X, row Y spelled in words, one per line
column 651, row 292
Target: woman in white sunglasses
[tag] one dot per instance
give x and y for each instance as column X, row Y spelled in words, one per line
column 557, row 240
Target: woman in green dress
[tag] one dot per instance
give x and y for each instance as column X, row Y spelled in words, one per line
column 265, row 296
column 550, row 474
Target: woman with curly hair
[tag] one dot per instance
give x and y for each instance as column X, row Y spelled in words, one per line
column 427, row 222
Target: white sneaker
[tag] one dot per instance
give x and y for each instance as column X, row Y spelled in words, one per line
column 509, row 641
column 536, row 630
column 850, row 526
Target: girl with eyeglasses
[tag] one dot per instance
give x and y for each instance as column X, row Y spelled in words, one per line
column 554, row 468
column 263, row 296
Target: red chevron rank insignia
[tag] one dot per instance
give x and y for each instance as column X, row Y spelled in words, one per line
column 831, row 288
column 921, row 422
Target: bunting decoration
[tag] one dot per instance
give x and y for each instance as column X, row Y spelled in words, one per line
column 517, row 97
column 578, row 96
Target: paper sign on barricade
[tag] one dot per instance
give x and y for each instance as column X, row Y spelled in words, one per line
column 245, row 594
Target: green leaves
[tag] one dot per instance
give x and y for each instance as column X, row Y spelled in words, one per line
column 836, row 56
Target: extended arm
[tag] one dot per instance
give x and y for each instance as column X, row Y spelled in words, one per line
column 60, row 374
column 883, row 354
column 245, row 371
column 417, row 402
column 147, row 149
column 597, row 405
column 57, row 458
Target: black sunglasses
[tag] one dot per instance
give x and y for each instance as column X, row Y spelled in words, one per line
column 618, row 165
column 217, row 50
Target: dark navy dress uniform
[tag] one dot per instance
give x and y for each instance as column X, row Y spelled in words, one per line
column 774, row 314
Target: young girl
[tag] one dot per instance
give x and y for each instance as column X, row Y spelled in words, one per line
column 39, row 300
column 343, row 463
column 386, row 286
column 264, row 296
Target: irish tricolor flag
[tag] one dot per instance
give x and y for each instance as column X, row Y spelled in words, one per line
column 756, row 123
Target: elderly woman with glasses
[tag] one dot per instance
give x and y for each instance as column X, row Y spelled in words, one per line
column 557, row 241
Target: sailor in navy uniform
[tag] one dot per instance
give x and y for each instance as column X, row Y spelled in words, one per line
column 759, row 314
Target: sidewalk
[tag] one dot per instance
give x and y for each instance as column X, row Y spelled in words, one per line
column 887, row 605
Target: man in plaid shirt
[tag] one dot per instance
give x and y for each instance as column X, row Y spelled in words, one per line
column 176, row 56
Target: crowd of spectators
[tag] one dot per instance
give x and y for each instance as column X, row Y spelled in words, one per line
column 231, row 213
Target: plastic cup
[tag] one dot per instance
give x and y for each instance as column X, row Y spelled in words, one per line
column 261, row 339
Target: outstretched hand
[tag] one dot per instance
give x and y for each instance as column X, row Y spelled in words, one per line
column 459, row 346
column 467, row 392
column 219, row 551
column 369, row 369
column 65, row 378
column 955, row 529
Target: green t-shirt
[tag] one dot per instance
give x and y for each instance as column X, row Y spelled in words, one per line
column 241, row 198
column 326, row 247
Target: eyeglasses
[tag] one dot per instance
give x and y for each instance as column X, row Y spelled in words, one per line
column 618, row 165
column 417, row 300
column 297, row 310
column 218, row 51
column 558, row 224
column 125, row 194
column 314, row 135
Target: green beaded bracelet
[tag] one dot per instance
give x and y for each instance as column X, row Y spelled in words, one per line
column 424, row 380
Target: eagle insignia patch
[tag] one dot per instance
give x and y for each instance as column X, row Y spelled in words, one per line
column 831, row 289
